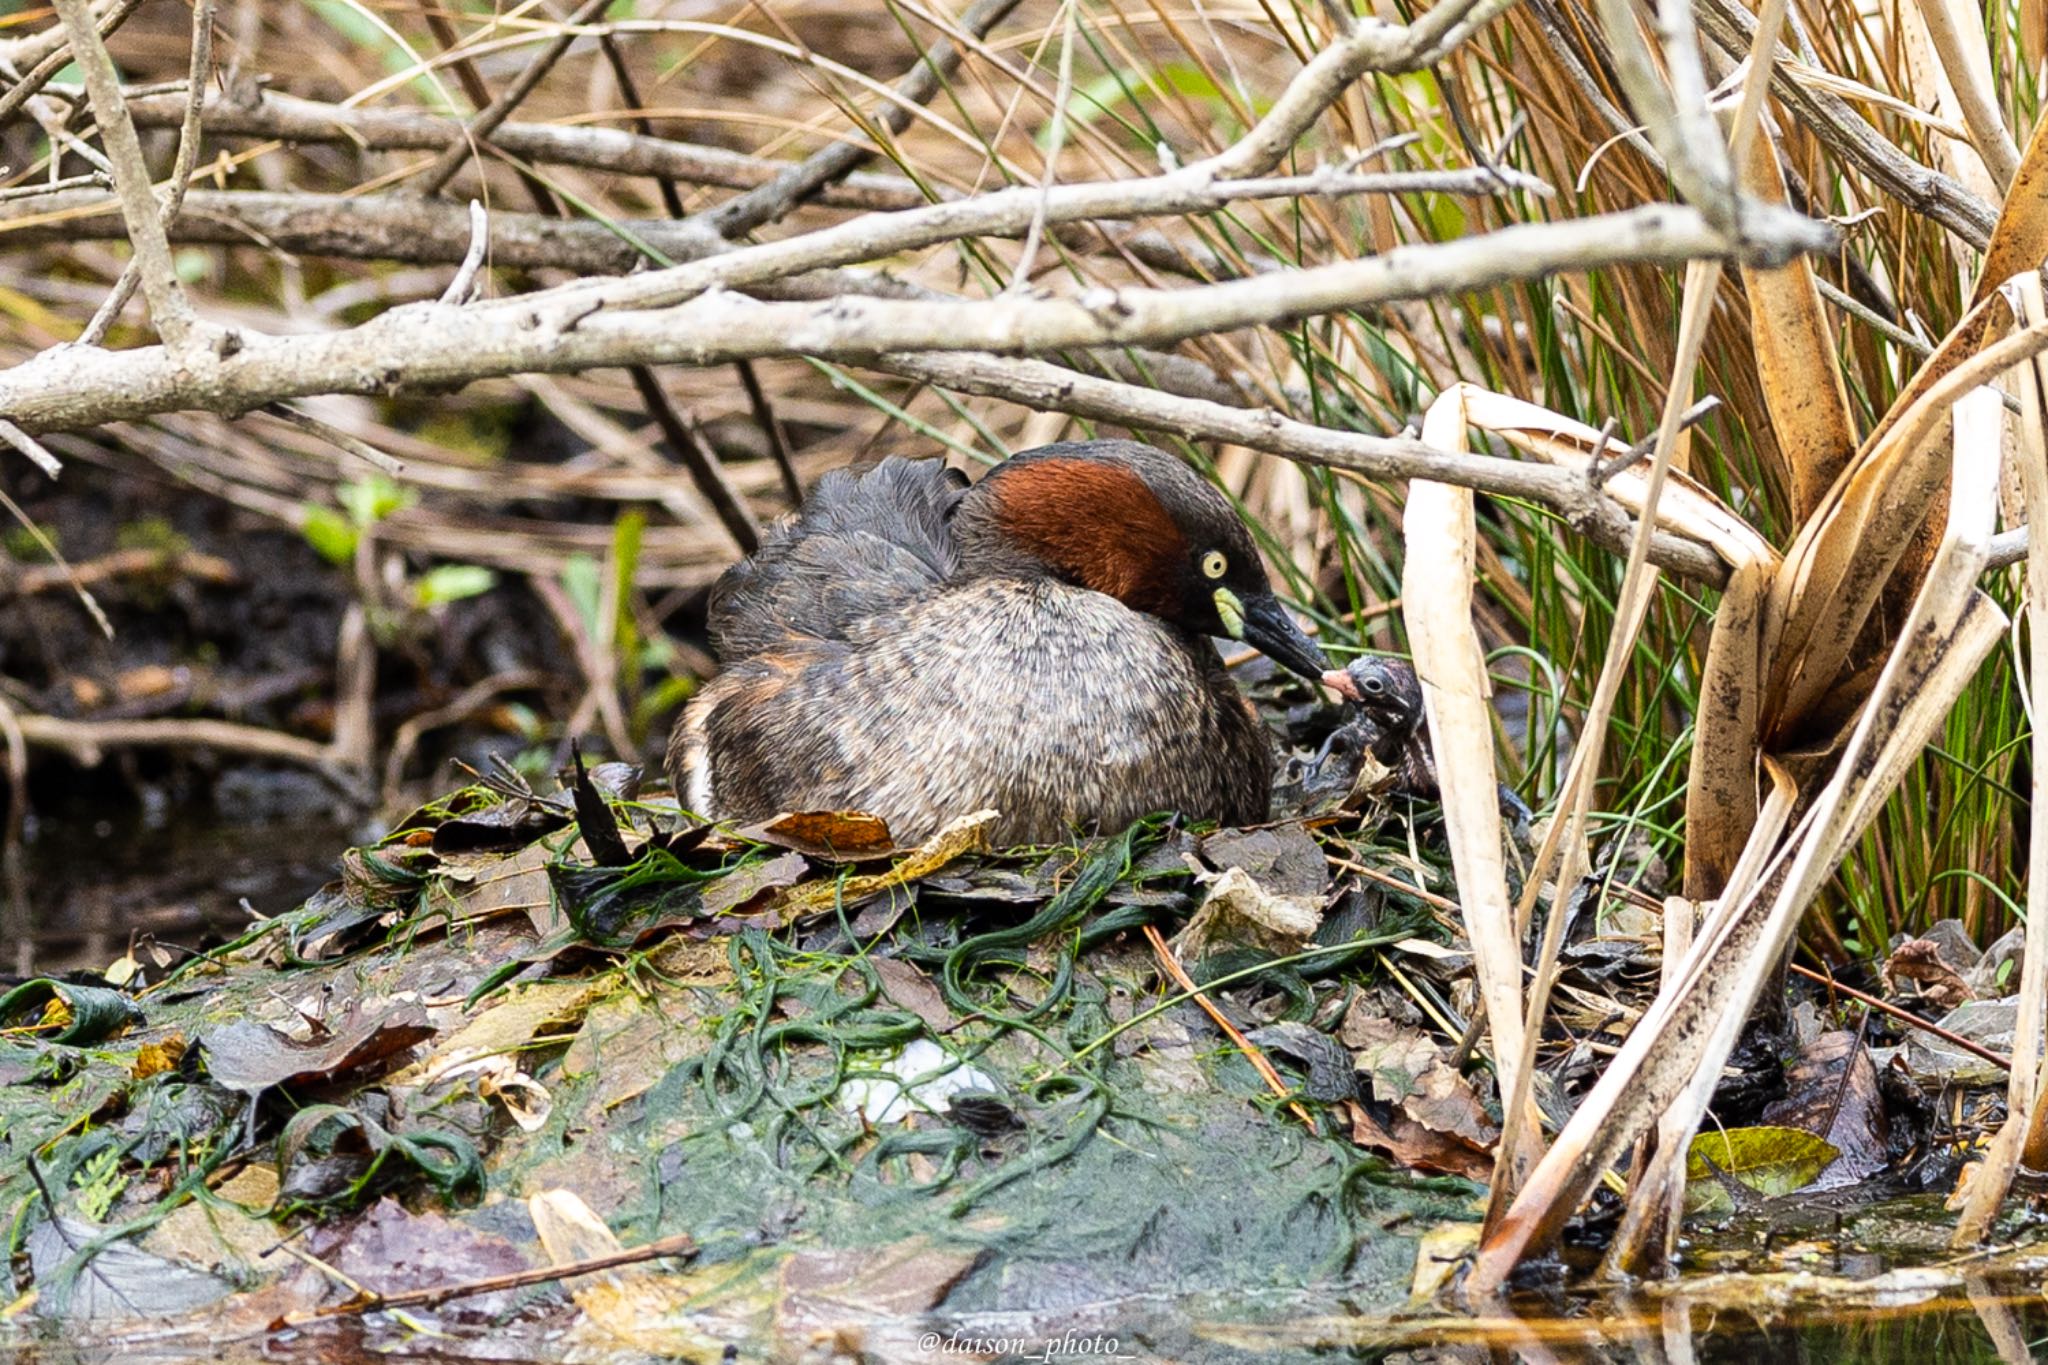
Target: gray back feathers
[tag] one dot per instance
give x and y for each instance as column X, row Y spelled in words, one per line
column 869, row 539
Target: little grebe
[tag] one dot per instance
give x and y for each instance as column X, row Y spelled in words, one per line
column 916, row 648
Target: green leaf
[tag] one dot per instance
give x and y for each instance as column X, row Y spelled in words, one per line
column 584, row 582
column 83, row 1014
column 452, row 583
column 371, row 500
column 1769, row 1160
column 329, row 533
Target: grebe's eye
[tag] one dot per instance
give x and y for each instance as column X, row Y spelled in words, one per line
column 1373, row 687
column 1214, row 565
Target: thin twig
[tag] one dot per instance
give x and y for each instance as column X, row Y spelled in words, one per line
column 1055, row 140
column 610, row 150
column 771, row 426
column 462, row 289
column 1906, row 1017
column 479, row 95
column 42, row 459
column 700, row 459
column 181, row 172
column 90, row 180
column 498, row 110
column 1245, row 1045
column 327, row 431
column 40, row 74
column 370, row 1301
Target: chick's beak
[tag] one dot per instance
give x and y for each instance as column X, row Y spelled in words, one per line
column 1270, row 630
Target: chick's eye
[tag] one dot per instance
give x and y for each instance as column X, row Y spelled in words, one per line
column 1214, row 565
column 1374, row 687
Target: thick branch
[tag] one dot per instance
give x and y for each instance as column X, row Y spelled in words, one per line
column 562, row 330
column 402, row 227
column 1568, row 492
column 1370, row 45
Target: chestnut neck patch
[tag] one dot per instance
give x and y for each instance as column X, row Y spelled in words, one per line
column 1099, row 525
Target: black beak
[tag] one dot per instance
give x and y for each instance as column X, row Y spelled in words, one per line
column 1270, row 630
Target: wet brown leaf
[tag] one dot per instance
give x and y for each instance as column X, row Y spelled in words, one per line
column 390, row 1250
column 1831, row 1090
column 837, row 1291
column 829, row 835
column 1416, row 1147
column 1919, row 960
column 737, row 890
column 968, row 834
column 905, row 984
column 252, row 1057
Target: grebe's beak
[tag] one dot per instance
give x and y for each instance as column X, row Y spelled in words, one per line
column 1269, row 629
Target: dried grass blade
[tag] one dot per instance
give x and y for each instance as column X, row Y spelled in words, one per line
column 1838, row 567
column 1795, row 356
column 1685, row 1033
column 2020, row 239
column 1958, row 40
column 1437, row 580
column 1685, row 506
column 1721, row 783
column 2023, row 1135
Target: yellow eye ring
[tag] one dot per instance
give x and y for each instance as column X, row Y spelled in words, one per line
column 1214, row 565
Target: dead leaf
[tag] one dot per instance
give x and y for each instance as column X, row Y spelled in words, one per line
column 252, row 1057
column 1831, row 1090
column 390, row 1249
column 906, row 984
column 511, row 1021
column 517, row 884
column 1407, row 1070
column 967, row 834
column 1919, row 960
column 1769, row 1160
column 1416, row 1147
column 1241, row 912
column 829, row 835
column 738, row 889
column 849, row 1292
column 1438, row 1254
column 1285, row 860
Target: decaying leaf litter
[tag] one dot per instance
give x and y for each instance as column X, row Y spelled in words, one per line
column 855, row 1089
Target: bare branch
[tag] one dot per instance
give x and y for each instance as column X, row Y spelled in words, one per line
column 462, row 289
column 181, row 173
column 1831, row 119
column 28, row 446
column 581, row 326
column 1677, row 118
column 1371, row 45
column 168, row 307
column 290, row 119
column 50, row 56
column 394, row 227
